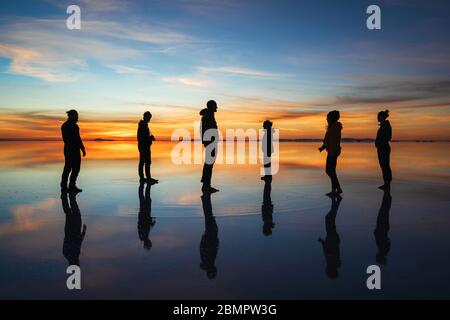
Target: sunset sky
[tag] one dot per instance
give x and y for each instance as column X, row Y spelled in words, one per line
column 288, row 61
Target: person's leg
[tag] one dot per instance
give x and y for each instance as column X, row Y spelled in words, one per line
column 207, row 170
column 388, row 175
column 66, row 172
column 336, row 180
column 147, row 170
column 329, row 170
column 76, row 165
column 384, row 160
column 141, row 165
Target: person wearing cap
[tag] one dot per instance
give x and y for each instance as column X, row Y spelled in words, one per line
column 72, row 146
column 145, row 140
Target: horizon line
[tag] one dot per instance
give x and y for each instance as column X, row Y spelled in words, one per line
column 350, row 139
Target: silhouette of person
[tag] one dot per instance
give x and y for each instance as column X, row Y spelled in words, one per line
column 145, row 219
column 145, row 140
column 209, row 124
column 331, row 244
column 382, row 229
column 72, row 146
column 332, row 143
column 209, row 244
column 384, row 135
column 73, row 233
column 267, row 207
column 267, row 148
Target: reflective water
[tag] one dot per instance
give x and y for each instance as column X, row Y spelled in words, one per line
column 221, row 247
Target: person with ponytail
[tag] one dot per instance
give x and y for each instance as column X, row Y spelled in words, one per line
column 332, row 143
column 384, row 135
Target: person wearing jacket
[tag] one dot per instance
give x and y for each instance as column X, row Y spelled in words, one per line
column 209, row 133
column 384, row 135
column 145, row 140
column 332, row 143
column 72, row 146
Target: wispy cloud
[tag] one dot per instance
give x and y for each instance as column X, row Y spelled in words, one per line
column 192, row 81
column 45, row 49
column 240, row 71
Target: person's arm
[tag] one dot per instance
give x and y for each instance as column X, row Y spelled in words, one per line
column 80, row 142
column 325, row 142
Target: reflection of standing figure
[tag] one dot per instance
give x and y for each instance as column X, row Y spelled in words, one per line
column 382, row 229
column 331, row 244
column 209, row 244
column 384, row 135
column 145, row 220
column 267, row 207
column 73, row 234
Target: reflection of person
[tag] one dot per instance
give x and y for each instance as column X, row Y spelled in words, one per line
column 331, row 244
column 267, row 148
column 145, row 220
column 73, row 233
column 209, row 244
column 267, row 207
column 209, row 124
column 145, row 141
column 384, row 135
column 332, row 143
column 382, row 229
column 72, row 146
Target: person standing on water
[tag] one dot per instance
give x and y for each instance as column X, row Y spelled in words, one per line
column 72, row 146
column 209, row 132
column 332, row 143
column 384, row 135
column 145, row 140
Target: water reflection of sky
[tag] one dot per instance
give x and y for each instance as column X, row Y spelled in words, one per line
column 291, row 262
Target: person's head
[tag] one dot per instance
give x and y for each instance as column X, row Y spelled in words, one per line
column 267, row 124
column 72, row 115
column 147, row 116
column 211, row 105
column 383, row 115
column 333, row 117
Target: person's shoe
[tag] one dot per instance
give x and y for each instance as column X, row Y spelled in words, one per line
column 266, row 178
column 339, row 191
column 64, row 189
column 75, row 189
column 152, row 181
column 142, row 180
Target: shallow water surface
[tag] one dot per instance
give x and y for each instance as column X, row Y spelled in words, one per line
column 233, row 244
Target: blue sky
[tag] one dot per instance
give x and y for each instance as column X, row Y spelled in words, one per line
column 288, row 60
